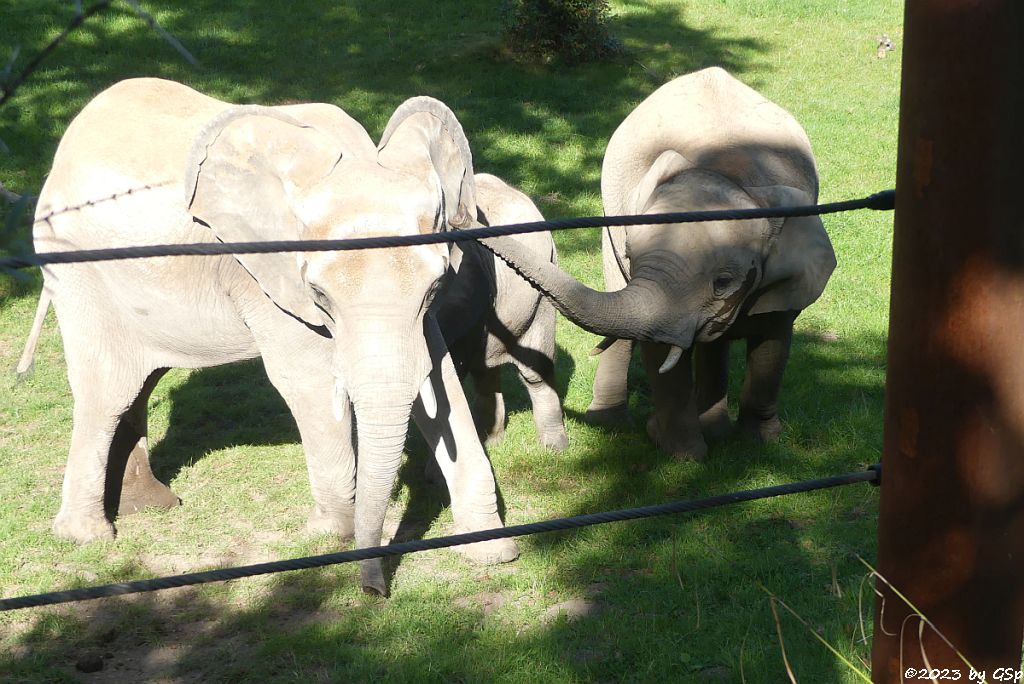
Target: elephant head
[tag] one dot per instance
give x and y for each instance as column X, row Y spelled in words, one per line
column 703, row 141
column 257, row 173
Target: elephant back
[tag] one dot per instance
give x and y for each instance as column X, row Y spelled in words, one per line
column 717, row 123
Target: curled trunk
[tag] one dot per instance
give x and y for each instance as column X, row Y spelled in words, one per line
column 635, row 312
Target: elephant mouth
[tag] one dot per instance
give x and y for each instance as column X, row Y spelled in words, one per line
column 714, row 328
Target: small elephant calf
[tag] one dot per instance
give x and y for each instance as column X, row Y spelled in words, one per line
column 703, row 141
column 490, row 316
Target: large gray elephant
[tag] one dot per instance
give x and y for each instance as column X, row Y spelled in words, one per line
column 701, row 141
column 341, row 334
column 506, row 322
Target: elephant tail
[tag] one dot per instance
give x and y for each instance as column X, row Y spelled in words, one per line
column 27, row 361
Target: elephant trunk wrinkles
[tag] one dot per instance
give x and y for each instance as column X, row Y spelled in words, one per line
column 381, row 431
column 383, row 383
column 629, row 313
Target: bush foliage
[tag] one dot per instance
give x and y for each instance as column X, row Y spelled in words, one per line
column 571, row 30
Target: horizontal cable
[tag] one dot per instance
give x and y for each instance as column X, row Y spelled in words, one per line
column 872, row 475
column 882, row 201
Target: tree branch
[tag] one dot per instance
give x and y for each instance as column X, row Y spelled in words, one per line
column 80, row 16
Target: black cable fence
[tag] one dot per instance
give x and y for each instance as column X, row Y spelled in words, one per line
column 881, row 201
column 872, row 475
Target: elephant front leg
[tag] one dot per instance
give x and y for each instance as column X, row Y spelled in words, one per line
column 610, row 403
column 331, row 465
column 767, row 354
column 711, row 381
column 452, row 436
column 675, row 426
column 547, row 408
column 324, row 419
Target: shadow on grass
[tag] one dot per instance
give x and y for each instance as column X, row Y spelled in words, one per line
column 647, row 599
column 368, row 59
column 664, row 595
column 220, row 407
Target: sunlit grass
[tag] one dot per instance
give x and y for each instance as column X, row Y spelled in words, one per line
column 671, row 599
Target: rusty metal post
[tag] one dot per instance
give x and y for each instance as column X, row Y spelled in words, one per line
column 951, row 527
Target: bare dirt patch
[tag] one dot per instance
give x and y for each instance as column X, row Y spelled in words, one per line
column 573, row 609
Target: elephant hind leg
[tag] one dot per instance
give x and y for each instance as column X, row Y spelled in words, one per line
column 138, row 488
column 489, row 408
column 108, row 426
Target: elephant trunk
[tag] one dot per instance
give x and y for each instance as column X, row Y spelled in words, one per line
column 382, row 384
column 381, row 431
column 629, row 313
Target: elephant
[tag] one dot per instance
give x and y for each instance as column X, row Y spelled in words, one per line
column 349, row 339
column 701, row 141
column 506, row 322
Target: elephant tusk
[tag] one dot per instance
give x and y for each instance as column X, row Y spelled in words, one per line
column 674, row 354
column 429, row 399
column 602, row 345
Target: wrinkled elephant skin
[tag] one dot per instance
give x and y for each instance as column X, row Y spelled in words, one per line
column 703, row 141
column 343, row 335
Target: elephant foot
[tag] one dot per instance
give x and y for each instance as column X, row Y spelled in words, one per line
column 330, row 522
column 554, row 440
column 140, row 493
column 371, row 576
column 682, row 447
column 762, row 429
column 83, row 529
column 716, row 424
column 607, row 415
column 490, row 552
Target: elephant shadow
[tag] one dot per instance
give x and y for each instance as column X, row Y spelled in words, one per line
column 223, row 406
column 811, row 357
column 220, row 407
column 428, row 498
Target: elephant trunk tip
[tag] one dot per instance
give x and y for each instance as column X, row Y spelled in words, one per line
column 372, row 578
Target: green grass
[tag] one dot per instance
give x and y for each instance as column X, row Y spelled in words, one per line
column 673, row 599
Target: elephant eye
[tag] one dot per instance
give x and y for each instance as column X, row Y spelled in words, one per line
column 321, row 300
column 722, row 282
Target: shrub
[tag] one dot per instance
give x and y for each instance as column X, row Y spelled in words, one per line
column 571, row 30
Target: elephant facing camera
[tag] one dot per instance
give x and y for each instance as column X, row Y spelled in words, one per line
column 211, row 171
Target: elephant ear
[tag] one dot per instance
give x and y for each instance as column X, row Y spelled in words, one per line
column 799, row 257
column 244, row 169
column 668, row 165
column 424, row 138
